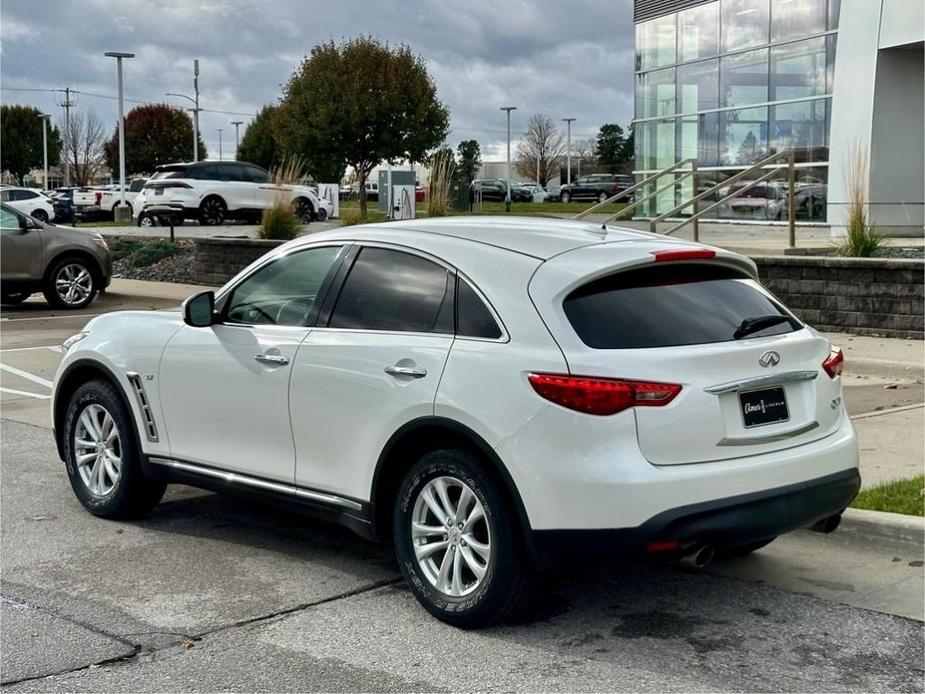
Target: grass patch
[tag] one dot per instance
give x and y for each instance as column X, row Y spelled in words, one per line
column 141, row 253
column 898, row 496
column 102, row 223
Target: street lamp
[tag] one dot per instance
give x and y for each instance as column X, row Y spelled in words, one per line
column 568, row 149
column 119, row 214
column 507, row 199
column 46, row 117
column 236, row 123
column 219, row 144
column 195, row 111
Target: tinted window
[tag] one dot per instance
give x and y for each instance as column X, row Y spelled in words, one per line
column 473, row 319
column 256, row 175
column 230, row 172
column 391, row 290
column 202, row 172
column 283, row 292
column 667, row 306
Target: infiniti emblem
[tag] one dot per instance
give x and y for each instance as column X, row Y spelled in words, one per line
column 770, row 358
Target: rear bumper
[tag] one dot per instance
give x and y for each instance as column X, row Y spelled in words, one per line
column 731, row 521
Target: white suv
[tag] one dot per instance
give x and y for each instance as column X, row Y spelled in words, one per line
column 493, row 396
column 215, row 191
column 28, row 201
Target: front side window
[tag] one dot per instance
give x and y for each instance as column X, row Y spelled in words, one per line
column 8, row 219
column 284, row 292
column 256, row 175
column 393, row 290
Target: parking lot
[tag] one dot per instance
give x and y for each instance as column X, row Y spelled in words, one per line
column 212, row 593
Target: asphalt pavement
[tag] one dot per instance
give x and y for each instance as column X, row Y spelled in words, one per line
column 212, row 593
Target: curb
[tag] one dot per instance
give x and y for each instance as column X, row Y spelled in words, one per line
column 877, row 525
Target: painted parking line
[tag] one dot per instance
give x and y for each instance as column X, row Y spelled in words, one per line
column 26, row 375
column 13, row 391
column 53, row 348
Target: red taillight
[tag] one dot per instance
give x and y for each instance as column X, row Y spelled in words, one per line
column 602, row 396
column 99, row 198
column 834, row 364
column 683, row 254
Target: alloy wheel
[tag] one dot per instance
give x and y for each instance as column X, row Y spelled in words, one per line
column 98, row 450
column 213, row 212
column 450, row 536
column 73, row 284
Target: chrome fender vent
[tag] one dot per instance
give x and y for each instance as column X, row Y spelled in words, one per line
column 142, row 398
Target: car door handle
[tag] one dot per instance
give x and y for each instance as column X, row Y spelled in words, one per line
column 413, row 371
column 272, row 359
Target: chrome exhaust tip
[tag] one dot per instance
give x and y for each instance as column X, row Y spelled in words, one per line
column 699, row 557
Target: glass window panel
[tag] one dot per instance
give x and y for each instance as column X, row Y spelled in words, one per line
column 655, row 42
column 698, row 32
column 698, row 86
column 811, row 194
column 698, row 137
column 798, row 70
column 744, row 78
column 655, row 93
column 830, row 62
column 743, row 136
column 791, row 19
column 834, row 9
column 745, row 23
column 655, row 144
column 802, row 127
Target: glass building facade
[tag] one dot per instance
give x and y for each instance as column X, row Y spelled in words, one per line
column 730, row 82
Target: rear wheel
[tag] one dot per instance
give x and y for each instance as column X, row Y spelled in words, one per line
column 565, row 197
column 741, row 550
column 40, row 215
column 457, row 541
column 70, row 284
column 146, row 220
column 102, row 456
column 602, row 197
column 212, row 211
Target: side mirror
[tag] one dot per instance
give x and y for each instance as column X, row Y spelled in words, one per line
column 199, row 310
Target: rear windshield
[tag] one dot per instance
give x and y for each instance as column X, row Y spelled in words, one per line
column 677, row 304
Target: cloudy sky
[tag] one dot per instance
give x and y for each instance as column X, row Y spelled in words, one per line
column 558, row 57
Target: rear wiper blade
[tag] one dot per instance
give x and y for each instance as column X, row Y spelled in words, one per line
column 758, row 323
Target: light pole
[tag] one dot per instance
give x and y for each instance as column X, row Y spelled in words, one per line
column 568, row 149
column 119, row 214
column 219, row 144
column 237, row 123
column 45, row 118
column 507, row 199
column 195, row 111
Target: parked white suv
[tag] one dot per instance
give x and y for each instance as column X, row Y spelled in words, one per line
column 214, row 191
column 28, row 201
column 494, row 396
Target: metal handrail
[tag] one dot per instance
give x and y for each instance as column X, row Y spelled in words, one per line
column 791, row 210
column 623, row 210
column 633, row 188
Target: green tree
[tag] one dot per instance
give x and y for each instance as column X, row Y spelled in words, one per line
column 610, row 148
column 629, row 150
column 469, row 161
column 21, row 135
column 259, row 145
column 358, row 103
column 155, row 134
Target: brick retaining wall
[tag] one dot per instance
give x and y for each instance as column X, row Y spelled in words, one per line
column 865, row 296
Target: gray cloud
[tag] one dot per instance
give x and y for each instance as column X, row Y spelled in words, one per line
column 570, row 58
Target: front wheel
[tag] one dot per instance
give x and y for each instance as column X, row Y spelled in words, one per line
column 565, row 197
column 146, row 220
column 602, row 197
column 457, row 541
column 321, row 214
column 70, row 284
column 304, row 210
column 102, row 457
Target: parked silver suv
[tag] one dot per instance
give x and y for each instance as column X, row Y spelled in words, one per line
column 68, row 265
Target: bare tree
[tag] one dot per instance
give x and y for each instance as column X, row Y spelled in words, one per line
column 541, row 151
column 583, row 149
column 82, row 146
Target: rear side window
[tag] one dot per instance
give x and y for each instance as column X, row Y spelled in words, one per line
column 677, row 304
column 391, row 290
column 473, row 319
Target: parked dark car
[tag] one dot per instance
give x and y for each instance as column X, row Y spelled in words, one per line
column 595, row 187
column 495, row 189
column 63, row 201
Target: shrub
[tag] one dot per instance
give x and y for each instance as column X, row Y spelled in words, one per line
column 442, row 169
column 280, row 221
column 151, row 253
column 862, row 239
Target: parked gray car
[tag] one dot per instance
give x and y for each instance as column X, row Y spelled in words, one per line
column 69, row 266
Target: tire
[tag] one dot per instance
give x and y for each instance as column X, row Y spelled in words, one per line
column 40, row 215
column 304, row 210
column 741, row 550
column 71, row 284
column 602, row 197
column 565, row 197
column 146, row 220
column 212, row 211
column 321, row 214
column 14, row 298
column 467, row 600
column 120, row 489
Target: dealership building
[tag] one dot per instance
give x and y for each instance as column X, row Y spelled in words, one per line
column 730, row 82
